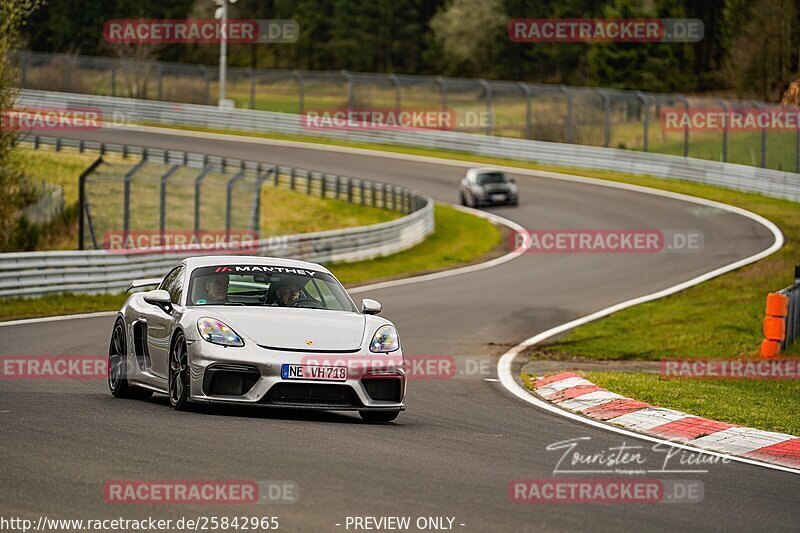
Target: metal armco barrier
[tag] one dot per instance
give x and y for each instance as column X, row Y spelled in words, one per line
column 782, row 323
column 792, row 293
column 99, row 271
column 773, row 183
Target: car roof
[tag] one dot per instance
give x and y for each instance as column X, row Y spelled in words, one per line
column 480, row 170
column 211, row 260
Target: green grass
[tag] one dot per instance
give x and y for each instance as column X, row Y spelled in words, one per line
column 458, row 239
column 768, row 405
column 719, row 318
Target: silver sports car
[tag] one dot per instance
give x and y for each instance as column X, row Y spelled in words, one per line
column 256, row 330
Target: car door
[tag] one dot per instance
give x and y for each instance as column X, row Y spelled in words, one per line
column 160, row 323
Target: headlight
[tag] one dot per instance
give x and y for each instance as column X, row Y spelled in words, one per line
column 218, row 332
column 385, row 340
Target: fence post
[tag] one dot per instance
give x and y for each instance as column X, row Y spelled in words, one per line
column 322, row 186
column 252, row 88
column 162, row 204
column 568, row 94
column 160, row 86
column 229, row 201
column 68, row 75
column 686, row 127
column 606, row 117
column 528, row 104
column 397, row 96
column 198, row 182
column 126, row 206
column 349, row 190
column 351, row 89
column 291, row 179
column 23, row 69
column 337, row 186
column 82, row 205
column 443, row 90
column 645, row 121
column 301, row 91
column 255, row 223
column 487, row 89
column 207, row 81
column 726, row 108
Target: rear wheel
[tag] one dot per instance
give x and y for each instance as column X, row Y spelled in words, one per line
column 118, row 366
column 179, row 374
column 378, row 417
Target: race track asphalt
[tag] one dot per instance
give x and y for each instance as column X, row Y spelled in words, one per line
column 460, row 442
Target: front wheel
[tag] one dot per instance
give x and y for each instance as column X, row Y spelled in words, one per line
column 118, row 366
column 178, row 386
column 378, row 417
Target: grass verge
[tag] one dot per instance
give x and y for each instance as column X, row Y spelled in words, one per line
column 458, row 239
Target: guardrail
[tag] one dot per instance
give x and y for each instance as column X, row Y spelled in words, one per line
column 97, row 271
column 782, row 323
column 792, row 294
column 740, row 177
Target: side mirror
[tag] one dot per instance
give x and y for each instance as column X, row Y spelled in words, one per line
column 159, row 298
column 370, row 307
column 512, row 180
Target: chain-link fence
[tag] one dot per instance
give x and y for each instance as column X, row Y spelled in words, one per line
column 589, row 116
column 183, row 193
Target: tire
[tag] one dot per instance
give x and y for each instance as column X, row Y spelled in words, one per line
column 463, row 200
column 117, row 363
column 178, row 381
column 378, row 417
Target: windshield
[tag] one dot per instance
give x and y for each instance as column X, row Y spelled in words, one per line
column 492, row 177
column 267, row 286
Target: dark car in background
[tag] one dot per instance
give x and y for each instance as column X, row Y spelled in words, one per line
column 484, row 186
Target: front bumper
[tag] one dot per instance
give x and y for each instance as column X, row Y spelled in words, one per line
column 252, row 375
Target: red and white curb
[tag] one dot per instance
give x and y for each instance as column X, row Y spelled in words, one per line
column 574, row 393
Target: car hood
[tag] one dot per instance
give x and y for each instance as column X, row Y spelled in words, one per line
column 293, row 329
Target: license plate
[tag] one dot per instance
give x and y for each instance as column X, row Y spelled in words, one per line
column 319, row 372
column 497, row 197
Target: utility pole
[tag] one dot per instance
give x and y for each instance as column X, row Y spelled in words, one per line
column 222, row 15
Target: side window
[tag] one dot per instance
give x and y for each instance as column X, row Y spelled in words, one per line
column 330, row 300
column 176, row 288
column 168, row 279
column 311, row 290
column 173, row 284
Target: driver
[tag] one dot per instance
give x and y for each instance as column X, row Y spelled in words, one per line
column 217, row 288
column 287, row 294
